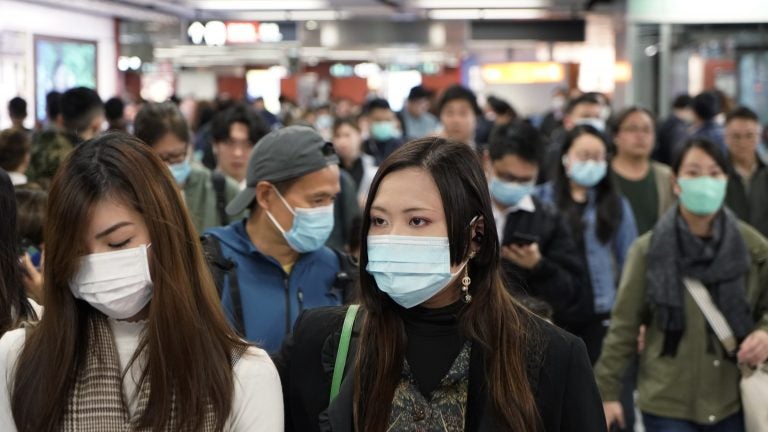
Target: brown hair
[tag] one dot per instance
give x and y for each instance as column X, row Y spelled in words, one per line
column 187, row 343
column 14, row 147
column 155, row 120
column 493, row 320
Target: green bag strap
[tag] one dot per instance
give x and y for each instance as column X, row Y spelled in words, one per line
column 341, row 353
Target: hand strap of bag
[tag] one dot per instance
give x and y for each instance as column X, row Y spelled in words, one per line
column 341, row 353
column 713, row 315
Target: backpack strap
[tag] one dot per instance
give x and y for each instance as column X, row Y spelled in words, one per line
column 343, row 351
column 221, row 266
column 220, row 189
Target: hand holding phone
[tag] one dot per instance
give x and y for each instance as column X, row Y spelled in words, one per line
column 522, row 239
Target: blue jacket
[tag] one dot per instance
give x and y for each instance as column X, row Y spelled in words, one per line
column 604, row 260
column 272, row 299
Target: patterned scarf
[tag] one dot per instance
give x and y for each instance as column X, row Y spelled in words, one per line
column 95, row 402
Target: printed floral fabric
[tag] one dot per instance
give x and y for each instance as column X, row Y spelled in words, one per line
column 443, row 411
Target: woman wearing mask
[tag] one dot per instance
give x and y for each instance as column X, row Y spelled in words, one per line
column 439, row 343
column 162, row 126
column 686, row 381
column 348, row 144
column 15, row 307
column 602, row 223
column 132, row 336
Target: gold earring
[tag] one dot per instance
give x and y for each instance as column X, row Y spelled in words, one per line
column 465, row 281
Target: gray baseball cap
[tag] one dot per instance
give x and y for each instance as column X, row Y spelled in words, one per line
column 282, row 155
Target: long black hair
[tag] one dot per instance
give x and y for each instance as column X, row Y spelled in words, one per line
column 607, row 200
column 493, row 320
column 14, row 305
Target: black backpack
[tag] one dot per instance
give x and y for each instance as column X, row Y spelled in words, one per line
column 221, row 266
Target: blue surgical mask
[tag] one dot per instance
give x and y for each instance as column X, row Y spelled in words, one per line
column 703, row 195
column 410, row 270
column 311, row 226
column 180, row 171
column 510, row 193
column 384, row 131
column 587, row 173
column 596, row 123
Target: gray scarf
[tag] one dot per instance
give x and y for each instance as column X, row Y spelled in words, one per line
column 720, row 263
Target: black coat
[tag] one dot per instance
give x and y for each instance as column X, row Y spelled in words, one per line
column 558, row 370
column 561, row 278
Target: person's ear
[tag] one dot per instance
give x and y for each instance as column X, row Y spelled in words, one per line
column 265, row 195
column 478, row 235
column 675, row 186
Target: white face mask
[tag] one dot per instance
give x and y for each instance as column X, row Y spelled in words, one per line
column 116, row 283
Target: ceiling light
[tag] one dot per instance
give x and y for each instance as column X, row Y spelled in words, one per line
column 501, row 14
column 460, row 14
column 480, row 4
column 489, row 14
column 249, row 5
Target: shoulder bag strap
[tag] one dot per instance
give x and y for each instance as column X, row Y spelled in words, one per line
column 713, row 315
column 341, row 353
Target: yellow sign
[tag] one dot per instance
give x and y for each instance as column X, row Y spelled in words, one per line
column 523, row 73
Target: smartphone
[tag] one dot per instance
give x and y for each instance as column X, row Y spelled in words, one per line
column 521, row 239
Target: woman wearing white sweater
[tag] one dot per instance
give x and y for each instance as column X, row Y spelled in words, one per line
column 133, row 337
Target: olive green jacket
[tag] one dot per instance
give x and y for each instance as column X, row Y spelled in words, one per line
column 201, row 199
column 699, row 384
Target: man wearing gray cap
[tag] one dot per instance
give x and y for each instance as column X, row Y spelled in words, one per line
column 278, row 261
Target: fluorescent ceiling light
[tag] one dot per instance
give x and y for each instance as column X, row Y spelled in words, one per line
column 480, row 4
column 513, row 13
column 246, row 5
column 490, row 14
column 315, row 15
column 460, row 14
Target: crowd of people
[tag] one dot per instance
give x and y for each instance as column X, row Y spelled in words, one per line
column 210, row 265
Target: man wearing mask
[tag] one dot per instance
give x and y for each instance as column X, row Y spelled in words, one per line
column 538, row 253
column 163, row 127
column 586, row 109
column 385, row 133
column 276, row 261
column 747, row 193
column 417, row 121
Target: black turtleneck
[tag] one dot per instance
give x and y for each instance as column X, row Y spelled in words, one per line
column 434, row 342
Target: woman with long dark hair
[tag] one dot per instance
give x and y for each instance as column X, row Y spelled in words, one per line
column 440, row 344
column 133, row 336
column 602, row 223
column 15, row 308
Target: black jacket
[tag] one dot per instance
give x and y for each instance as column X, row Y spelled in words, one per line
column 560, row 279
column 558, row 370
column 752, row 206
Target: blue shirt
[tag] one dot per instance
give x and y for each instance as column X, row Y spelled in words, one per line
column 604, row 260
column 271, row 298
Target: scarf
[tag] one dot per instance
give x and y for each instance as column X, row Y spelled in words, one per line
column 720, row 263
column 95, row 401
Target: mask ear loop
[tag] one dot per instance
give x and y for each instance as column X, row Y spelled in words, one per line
column 288, row 206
